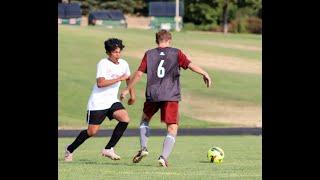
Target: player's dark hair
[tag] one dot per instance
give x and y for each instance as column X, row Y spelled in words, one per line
column 163, row 35
column 112, row 44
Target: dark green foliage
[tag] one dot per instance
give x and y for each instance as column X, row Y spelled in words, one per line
column 243, row 16
column 208, row 15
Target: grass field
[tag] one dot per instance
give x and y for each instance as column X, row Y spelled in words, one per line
column 243, row 157
column 234, row 62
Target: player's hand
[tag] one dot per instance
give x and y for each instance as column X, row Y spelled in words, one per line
column 131, row 101
column 123, row 94
column 207, row 80
column 124, row 77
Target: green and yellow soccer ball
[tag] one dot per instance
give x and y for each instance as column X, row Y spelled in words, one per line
column 215, row 155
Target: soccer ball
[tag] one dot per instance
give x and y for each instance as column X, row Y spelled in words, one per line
column 215, row 155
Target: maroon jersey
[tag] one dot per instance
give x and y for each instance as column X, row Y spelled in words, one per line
column 162, row 66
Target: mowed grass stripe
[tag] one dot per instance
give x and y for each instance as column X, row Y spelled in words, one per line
column 81, row 48
column 243, row 159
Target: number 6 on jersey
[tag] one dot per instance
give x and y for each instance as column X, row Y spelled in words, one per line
column 161, row 70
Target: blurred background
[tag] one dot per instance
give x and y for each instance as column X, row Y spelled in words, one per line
column 221, row 36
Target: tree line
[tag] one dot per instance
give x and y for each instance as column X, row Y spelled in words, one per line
column 238, row 16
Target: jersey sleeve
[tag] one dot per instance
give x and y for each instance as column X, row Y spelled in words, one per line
column 183, row 60
column 143, row 64
column 101, row 70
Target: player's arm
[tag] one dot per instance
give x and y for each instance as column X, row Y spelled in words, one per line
column 136, row 77
column 185, row 63
column 197, row 69
column 102, row 75
column 103, row 82
column 132, row 93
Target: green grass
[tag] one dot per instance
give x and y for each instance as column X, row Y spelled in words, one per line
column 243, row 157
column 80, row 48
column 227, row 85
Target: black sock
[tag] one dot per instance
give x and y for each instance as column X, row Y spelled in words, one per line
column 117, row 133
column 83, row 135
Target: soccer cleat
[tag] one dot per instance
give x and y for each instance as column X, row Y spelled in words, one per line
column 162, row 161
column 67, row 155
column 110, row 154
column 141, row 153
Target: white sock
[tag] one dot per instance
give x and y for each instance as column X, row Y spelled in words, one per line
column 168, row 145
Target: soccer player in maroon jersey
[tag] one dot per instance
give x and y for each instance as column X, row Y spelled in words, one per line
column 162, row 66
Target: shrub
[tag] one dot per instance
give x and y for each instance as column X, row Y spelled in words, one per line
column 209, row 27
column 246, row 25
column 189, row 26
column 238, row 26
column 254, row 25
column 201, row 13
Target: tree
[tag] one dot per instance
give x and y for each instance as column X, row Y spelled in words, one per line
column 225, row 16
column 87, row 5
column 201, row 13
column 253, row 7
column 141, row 8
column 225, row 10
column 127, row 6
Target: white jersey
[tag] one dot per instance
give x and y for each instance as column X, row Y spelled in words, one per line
column 103, row 98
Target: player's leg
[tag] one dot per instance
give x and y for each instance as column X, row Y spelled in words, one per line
column 144, row 135
column 117, row 112
column 170, row 115
column 149, row 109
column 144, row 131
column 123, row 118
column 94, row 119
column 168, row 144
column 83, row 135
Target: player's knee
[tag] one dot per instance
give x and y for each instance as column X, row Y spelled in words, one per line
column 92, row 132
column 173, row 129
column 126, row 120
column 122, row 116
column 172, row 132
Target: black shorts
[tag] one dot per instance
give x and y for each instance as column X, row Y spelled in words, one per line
column 96, row 117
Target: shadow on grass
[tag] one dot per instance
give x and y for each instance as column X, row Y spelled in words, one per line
column 206, row 162
column 113, row 163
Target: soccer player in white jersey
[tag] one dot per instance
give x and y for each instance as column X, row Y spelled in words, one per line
column 103, row 101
